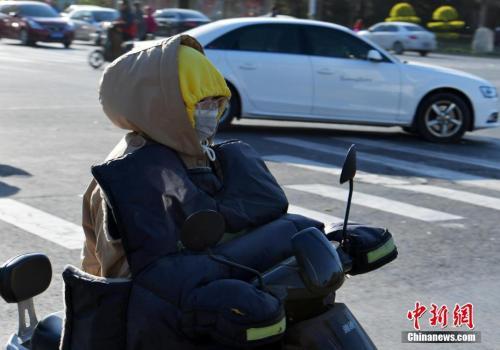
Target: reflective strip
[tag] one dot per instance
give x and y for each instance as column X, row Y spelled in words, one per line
column 379, row 253
column 266, row 332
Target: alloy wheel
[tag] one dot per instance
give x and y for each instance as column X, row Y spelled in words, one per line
column 443, row 119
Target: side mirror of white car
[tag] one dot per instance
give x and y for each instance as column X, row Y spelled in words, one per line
column 374, row 56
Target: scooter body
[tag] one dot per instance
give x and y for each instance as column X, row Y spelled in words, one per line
column 307, row 283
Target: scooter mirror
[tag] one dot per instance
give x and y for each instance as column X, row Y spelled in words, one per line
column 349, row 167
column 202, row 230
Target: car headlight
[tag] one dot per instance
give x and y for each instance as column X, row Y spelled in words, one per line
column 488, row 91
column 33, row 24
column 70, row 25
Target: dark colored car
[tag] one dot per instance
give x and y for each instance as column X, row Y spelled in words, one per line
column 31, row 21
column 172, row 21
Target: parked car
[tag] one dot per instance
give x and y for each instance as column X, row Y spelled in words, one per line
column 304, row 70
column 172, row 21
column 91, row 20
column 401, row 36
column 31, row 21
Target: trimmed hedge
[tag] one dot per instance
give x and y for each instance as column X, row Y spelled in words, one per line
column 446, row 19
column 403, row 12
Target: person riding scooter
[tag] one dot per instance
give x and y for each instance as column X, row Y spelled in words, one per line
column 170, row 97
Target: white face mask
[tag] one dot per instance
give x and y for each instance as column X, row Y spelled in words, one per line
column 206, row 122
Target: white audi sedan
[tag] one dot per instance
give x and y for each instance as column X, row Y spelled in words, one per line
column 401, row 36
column 304, row 70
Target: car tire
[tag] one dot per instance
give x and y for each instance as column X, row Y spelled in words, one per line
column 96, row 58
column 233, row 109
column 398, row 48
column 423, row 53
column 443, row 117
column 25, row 39
column 67, row 44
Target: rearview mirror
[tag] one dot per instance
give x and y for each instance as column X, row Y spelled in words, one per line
column 202, row 230
column 349, row 167
column 374, row 56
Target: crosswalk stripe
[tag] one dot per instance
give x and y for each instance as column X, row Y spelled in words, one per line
column 393, row 146
column 455, row 195
column 312, row 165
column 411, row 167
column 313, row 214
column 376, row 202
column 42, row 224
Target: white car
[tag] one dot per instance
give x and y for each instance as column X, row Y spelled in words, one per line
column 401, row 36
column 304, row 70
column 91, row 20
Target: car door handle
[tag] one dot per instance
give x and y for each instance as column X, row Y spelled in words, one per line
column 248, row 66
column 325, row 71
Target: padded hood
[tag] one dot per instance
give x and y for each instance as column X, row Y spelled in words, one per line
column 140, row 91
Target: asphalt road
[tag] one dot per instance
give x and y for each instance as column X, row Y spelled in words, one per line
column 440, row 202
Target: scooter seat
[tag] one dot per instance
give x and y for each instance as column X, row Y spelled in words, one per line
column 47, row 333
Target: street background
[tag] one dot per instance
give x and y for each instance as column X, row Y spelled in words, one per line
column 53, row 129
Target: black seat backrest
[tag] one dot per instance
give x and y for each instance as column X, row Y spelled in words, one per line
column 24, row 277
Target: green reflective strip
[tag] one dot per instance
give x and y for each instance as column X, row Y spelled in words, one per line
column 380, row 252
column 265, row 332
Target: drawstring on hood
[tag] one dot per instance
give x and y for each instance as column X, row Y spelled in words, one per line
column 141, row 91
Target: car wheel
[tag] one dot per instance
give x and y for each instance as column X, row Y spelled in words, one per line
column 67, row 44
column 423, row 53
column 398, row 48
column 96, row 59
column 443, row 117
column 233, row 109
column 25, row 39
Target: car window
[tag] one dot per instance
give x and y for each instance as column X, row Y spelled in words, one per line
column 167, row 14
column 415, row 29
column 193, row 15
column 105, row 16
column 76, row 15
column 35, row 10
column 8, row 9
column 392, row 28
column 329, row 42
column 379, row 28
column 279, row 38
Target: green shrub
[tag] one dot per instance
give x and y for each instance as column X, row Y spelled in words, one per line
column 403, row 12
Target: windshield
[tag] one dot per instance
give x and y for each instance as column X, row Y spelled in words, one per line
column 415, row 28
column 105, row 16
column 193, row 15
column 37, row 11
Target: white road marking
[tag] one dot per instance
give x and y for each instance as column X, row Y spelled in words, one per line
column 307, row 164
column 393, row 146
column 313, row 214
column 411, row 167
column 455, row 195
column 378, row 203
column 37, row 222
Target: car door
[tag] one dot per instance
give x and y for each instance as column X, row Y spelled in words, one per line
column 271, row 68
column 379, row 34
column 348, row 86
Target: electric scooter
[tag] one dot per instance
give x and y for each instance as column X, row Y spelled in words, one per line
column 307, row 282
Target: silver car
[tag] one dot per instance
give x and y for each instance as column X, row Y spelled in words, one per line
column 89, row 20
column 401, row 36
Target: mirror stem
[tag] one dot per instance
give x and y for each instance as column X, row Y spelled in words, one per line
column 346, row 218
column 262, row 286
